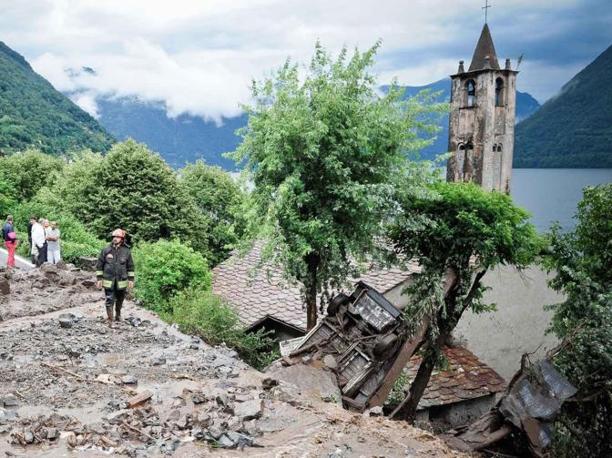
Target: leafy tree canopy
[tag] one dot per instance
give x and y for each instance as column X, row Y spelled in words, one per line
column 322, row 149
column 462, row 230
column 29, row 171
column 221, row 199
column 581, row 262
column 133, row 188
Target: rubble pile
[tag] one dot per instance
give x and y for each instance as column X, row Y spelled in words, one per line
column 70, row 384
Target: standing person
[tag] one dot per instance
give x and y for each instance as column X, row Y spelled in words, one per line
column 43, row 252
column 53, row 244
column 115, row 273
column 30, row 224
column 11, row 245
column 38, row 243
column 7, row 229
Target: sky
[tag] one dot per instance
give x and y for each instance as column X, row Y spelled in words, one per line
column 199, row 56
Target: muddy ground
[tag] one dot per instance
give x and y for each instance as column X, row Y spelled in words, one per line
column 67, row 380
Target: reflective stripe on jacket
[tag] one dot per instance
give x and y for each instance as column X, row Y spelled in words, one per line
column 115, row 264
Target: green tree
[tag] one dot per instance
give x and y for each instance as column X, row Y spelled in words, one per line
column 29, row 171
column 133, row 188
column 581, row 261
column 322, row 151
column 221, row 199
column 456, row 232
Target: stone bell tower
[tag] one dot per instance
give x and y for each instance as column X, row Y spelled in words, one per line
column 481, row 121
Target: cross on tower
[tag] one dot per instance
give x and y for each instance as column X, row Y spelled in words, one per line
column 486, row 9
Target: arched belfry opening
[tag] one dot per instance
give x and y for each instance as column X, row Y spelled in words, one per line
column 499, row 92
column 470, row 93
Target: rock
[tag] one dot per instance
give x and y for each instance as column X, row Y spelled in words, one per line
column 376, row 411
column 67, row 320
column 88, row 283
column 194, row 346
column 249, row 410
column 312, row 382
column 5, row 287
column 10, row 401
column 158, row 361
column 129, row 380
column 330, row 361
column 52, row 434
column 239, row 440
column 268, row 383
column 225, row 442
column 7, row 416
column 28, row 436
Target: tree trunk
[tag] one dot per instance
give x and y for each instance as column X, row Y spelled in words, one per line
column 312, row 261
column 408, row 408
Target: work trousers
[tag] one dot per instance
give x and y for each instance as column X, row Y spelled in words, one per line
column 42, row 255
column 114, row 296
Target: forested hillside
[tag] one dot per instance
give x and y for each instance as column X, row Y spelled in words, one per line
column 573, row 129
column 34, row 114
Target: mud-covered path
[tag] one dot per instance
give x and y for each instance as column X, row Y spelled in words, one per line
column 66, row 380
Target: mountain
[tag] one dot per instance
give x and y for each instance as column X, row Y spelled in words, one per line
column 526, row 105
column 179, row 140
column 187, row 138
column 573, row 129
column 33, row 113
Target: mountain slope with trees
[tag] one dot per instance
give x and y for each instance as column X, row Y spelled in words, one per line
column 573, row 129
column 34, row 114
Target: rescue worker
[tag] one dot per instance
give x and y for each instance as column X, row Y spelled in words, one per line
column 115, row 273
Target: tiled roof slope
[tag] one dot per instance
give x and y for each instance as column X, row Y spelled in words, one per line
column 257, row 294
column 466, row 378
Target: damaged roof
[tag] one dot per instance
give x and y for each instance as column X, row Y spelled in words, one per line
column 256, row 294
column 466, row 378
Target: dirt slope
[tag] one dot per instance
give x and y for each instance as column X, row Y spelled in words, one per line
column 66, row 378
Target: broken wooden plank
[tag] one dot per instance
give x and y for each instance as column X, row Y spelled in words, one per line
column 139, row 399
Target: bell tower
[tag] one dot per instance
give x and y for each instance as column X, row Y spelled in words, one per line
column 481, row 121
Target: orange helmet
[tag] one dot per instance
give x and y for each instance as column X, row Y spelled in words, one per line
column 118, row 233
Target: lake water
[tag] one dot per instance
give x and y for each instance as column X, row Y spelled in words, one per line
column 552, row 194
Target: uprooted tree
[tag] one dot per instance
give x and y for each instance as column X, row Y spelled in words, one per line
column 461, row 230
column 323, row 150
column 581, row 261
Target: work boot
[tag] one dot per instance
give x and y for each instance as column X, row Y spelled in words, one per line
column 109, row 315
column 117, row 312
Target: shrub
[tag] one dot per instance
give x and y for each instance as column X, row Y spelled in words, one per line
column 202, row 313
column 165, row 267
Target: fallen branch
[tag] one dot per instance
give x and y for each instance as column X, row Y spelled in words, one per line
column 136, row 430
column 61, row 369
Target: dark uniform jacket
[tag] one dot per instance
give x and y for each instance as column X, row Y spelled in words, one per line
column 115, row 264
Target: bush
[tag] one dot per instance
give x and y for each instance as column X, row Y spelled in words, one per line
column 164, row 268
column 202, row 313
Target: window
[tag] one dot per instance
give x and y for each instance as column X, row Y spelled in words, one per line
column 470, row 87
column 499, row 92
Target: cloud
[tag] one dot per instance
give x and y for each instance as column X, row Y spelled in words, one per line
column 199, row 57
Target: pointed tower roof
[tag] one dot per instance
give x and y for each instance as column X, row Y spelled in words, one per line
column 484, row 49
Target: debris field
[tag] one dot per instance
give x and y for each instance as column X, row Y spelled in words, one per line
column 71, row 386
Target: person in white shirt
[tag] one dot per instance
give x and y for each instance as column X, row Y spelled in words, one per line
column 38, row 242
column 53, row 245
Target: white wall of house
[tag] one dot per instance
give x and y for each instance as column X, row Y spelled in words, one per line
column 518, row 325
